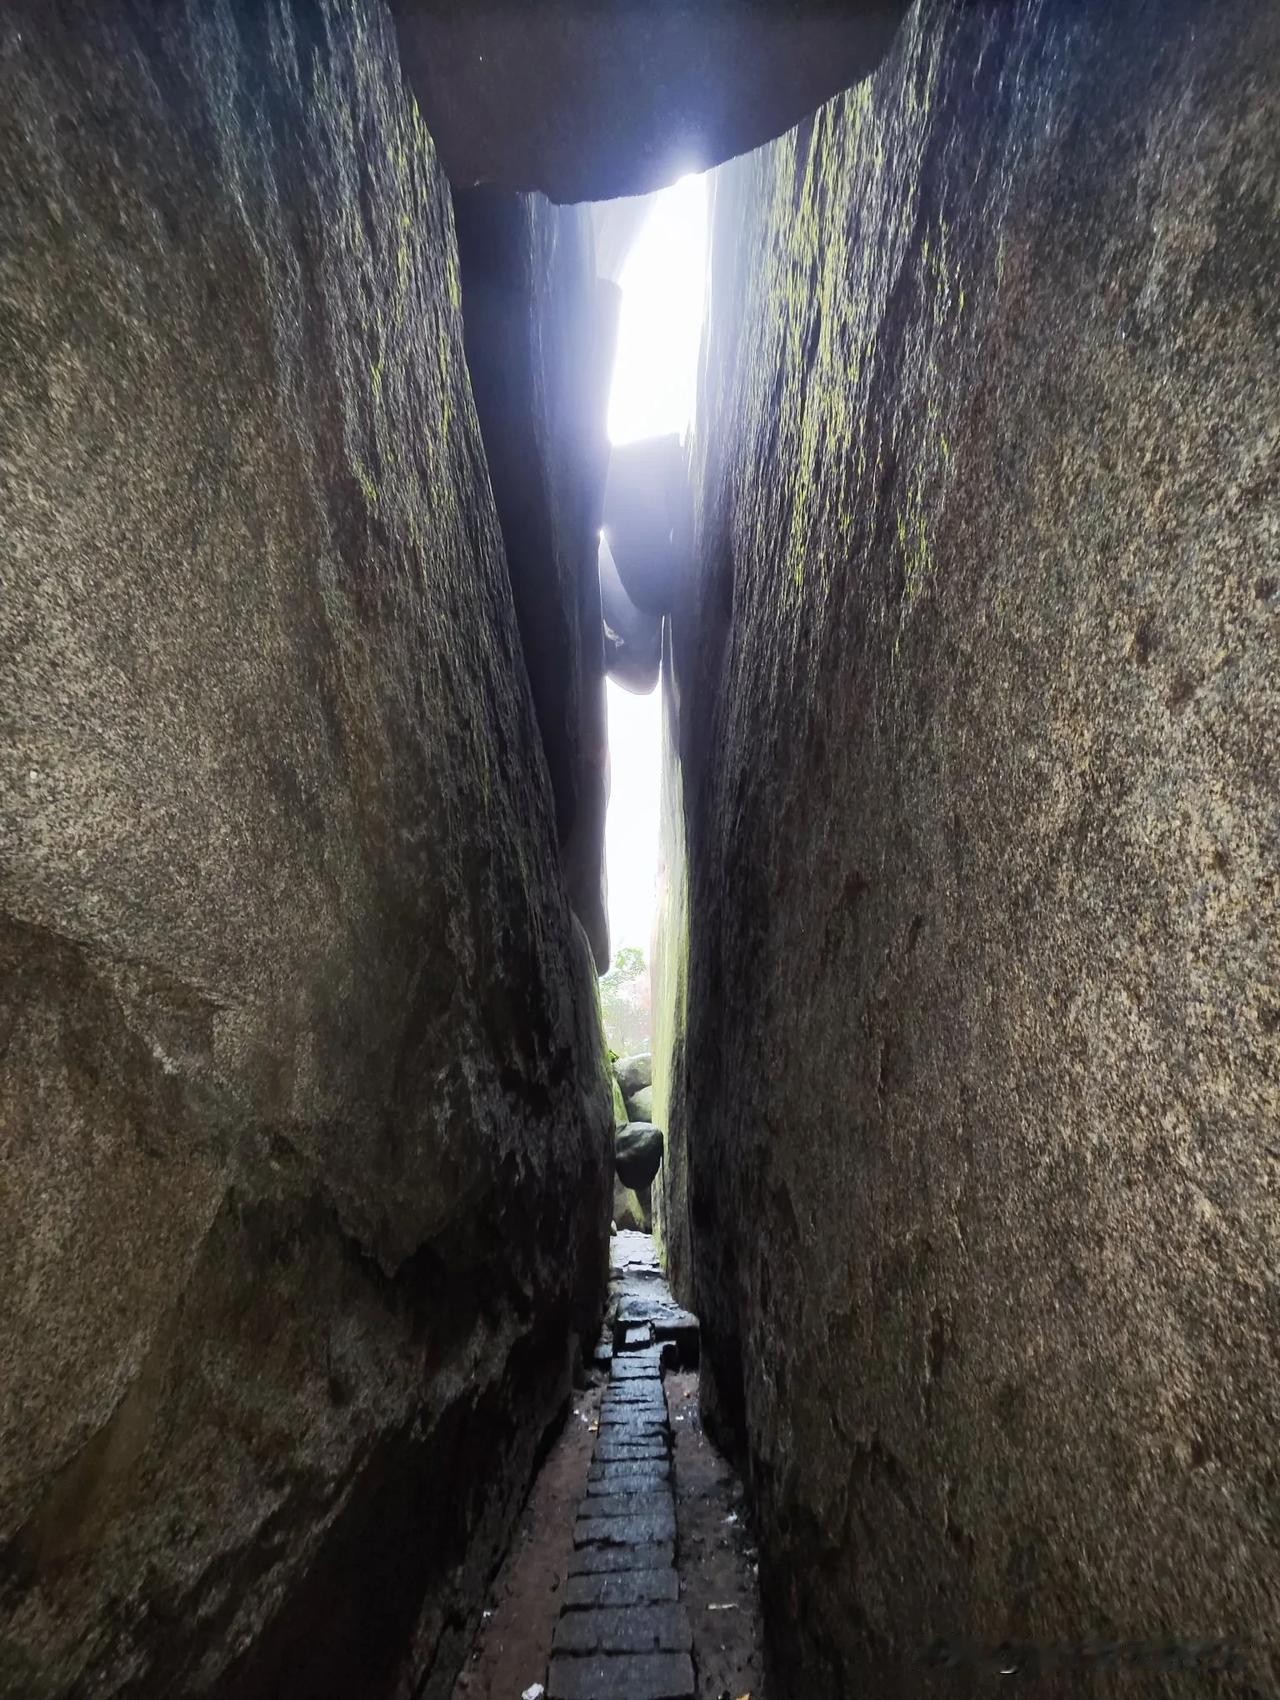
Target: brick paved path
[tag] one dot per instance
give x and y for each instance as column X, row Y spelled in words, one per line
column 623, row 1633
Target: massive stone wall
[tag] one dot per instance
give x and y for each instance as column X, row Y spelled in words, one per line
column 304, row 1131
column 979, row 711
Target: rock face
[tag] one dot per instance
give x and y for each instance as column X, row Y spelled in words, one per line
column 631, row 1209
column 973, row 1041
column 620, row 1117
column 304, row 1123
column 540, row 333
column 588, row 102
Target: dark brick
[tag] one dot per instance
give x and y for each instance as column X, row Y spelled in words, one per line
column 621, row 1676
column 625, row 1531
column 634, row 1434
column 602, row 1469
column 623, row 1588
column 635, row 1368
column 638, row 1475
column 592, row 1561
column 621, row 1451
column 624, row 1629
column 651, row 1503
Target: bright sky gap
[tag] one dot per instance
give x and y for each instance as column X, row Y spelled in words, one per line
column 654, row 389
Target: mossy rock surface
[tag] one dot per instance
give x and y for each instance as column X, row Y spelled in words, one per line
column 620, row 1114
column 972, row 1067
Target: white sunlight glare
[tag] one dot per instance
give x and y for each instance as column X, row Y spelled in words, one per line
column 655, row 379
column 655, row 372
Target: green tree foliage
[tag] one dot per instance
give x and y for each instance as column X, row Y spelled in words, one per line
column 625, row 1001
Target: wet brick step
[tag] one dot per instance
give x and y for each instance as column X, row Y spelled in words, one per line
column 623, row 1588
column 632, row 1476
column 621, row 1676
column 630, row 1531
column 624, row 1629
column 591, row 1561
column 632, row 1448
column 623, row 1633
column 656, row 1502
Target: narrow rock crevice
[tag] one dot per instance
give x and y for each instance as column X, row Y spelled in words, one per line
column 945, row 1178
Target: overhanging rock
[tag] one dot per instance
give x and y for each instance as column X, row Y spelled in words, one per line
column 588, row 102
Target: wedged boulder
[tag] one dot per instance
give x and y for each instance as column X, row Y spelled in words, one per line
column 648, row 521
column 634, row 1072
column 587, row 102
column 640, row 1105
column 304, row 1122
column 637, row 1153
column 633, row 640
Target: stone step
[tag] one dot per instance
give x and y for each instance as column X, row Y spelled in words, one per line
column 624, row 1629
column 621, row 1676
column 643, row 1406
column 655, row 1502
column 651, row 1555
column 640, row 1415
column 638, row 1529
column 635, row 1366
column 642, row 1476
column 623, row 1633
column 623, row 1588
column 617, row 1421
column 668, row 1322
column 648, row 1449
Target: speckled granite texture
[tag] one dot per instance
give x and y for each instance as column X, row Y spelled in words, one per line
column 305, row 1134
column 978, row 1086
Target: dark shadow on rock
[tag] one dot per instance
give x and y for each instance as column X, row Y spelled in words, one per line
column 588, row 101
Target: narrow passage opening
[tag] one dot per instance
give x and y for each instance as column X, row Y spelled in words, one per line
column 652, row 398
